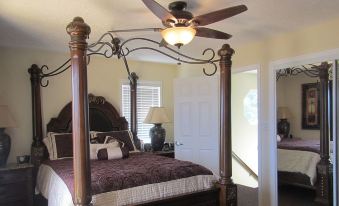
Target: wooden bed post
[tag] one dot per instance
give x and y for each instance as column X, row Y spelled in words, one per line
column 133, row 81
column 228, row 190
column 38, row 148
column 79, row 31
column 324, row 167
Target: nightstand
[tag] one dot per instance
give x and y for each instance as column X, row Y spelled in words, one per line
column 16, row 185
column 169, row 153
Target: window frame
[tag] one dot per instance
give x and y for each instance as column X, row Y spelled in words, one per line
column 140, row 83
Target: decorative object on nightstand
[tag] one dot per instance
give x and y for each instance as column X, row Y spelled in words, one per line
column 157, row 116
column 6, row 120
column 16, row 185
column 283, row 126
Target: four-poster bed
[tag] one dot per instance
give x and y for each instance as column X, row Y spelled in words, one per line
column 82, row 109
column 316, row 153
column 224, row 192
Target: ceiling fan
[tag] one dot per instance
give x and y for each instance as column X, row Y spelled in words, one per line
column 182, row 26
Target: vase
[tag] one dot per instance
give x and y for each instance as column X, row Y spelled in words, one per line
column 157, row 134
column 5, row 146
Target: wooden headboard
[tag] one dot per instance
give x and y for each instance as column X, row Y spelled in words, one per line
column 103, row 117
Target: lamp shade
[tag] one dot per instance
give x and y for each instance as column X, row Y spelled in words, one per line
column 6, row 119
column 283, row 113
column 156, row 115
column 178, row 35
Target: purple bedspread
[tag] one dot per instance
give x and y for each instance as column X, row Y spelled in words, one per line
column 139, row 169
column 300, row 144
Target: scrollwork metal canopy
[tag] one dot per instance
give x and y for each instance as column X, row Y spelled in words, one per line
column 310, row 70
column 108, row 46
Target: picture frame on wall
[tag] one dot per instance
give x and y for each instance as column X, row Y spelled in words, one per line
column 310, row 106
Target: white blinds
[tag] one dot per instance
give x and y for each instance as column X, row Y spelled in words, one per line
column 148, row 95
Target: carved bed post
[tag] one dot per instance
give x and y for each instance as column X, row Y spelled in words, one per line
column 228, row 190
column 79, row 31
column 38, row 148
column 324, row 167
column 133, row 81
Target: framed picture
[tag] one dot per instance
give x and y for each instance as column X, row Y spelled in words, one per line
column 310, row 106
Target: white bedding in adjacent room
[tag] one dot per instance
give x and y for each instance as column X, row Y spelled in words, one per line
column 52, row 187
column 299, row 161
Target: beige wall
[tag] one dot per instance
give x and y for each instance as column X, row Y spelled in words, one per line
column 312, row 39
column 289, row 94
column 104, row 77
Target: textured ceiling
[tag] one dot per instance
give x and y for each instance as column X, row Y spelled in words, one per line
column 41, row 24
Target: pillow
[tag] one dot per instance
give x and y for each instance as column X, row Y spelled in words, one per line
column 110, row 139
column 110, row 153
column 278, row 138
column 93, row 148
column 124, row 136
column 59, row 145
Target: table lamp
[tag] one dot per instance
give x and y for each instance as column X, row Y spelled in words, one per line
column 157, row 116
column 283, row 126
column 6, row 120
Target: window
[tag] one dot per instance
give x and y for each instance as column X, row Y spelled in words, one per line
column 148, row 95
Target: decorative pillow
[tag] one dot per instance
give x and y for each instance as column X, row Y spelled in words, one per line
column 110, row 139
column 124, row 136
column 59, row 145
column 110, row 153
column 93, row 148
column 48, row 144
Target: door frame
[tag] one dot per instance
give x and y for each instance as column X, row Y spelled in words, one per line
column 258, row 68
column 328, row 55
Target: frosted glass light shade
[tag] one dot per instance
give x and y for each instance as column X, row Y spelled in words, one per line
column 6, row 119
column 156, row 115
column 178, row 35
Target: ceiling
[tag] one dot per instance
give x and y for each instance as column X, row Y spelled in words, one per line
column 41, row 24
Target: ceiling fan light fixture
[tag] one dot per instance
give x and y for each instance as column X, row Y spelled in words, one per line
column 178, row 35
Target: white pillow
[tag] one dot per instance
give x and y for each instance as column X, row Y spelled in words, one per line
column 95, row 147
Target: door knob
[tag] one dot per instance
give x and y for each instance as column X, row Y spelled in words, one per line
column 178, row 143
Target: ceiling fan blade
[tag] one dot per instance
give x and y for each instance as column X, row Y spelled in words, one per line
column 163, row 43
column 211, row 33
column 159, row 11
column 135, row 30
column 219, row 15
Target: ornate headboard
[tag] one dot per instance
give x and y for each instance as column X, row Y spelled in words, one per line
column 103, row 117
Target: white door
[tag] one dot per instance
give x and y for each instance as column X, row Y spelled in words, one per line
column 196, row 121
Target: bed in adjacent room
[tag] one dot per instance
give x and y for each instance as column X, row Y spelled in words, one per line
column 297, row 161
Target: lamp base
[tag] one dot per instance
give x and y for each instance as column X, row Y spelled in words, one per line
column 5, row 146
column 157, row 134
column 284, row 128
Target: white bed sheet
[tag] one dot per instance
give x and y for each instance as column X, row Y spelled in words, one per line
column 299, row 161
column 52, row 187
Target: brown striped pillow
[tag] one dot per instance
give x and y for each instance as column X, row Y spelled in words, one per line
column 110, row 153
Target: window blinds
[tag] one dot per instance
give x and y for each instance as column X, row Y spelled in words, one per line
column 148, row 95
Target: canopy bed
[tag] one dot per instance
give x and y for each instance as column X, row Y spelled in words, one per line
column 305, row 162
column 87, row 113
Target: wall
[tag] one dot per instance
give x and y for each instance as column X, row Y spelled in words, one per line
column 244, row 131
column 104, row 77
column 316, row 38
column 289, row 94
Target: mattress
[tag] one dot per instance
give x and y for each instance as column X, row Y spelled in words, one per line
column 55, row 187
column 296, row 161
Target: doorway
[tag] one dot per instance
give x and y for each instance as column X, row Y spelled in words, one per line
column 245, row 132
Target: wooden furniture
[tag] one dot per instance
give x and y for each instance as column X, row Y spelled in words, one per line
column 16, row 185
column 225, row 192
column 169, row 153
